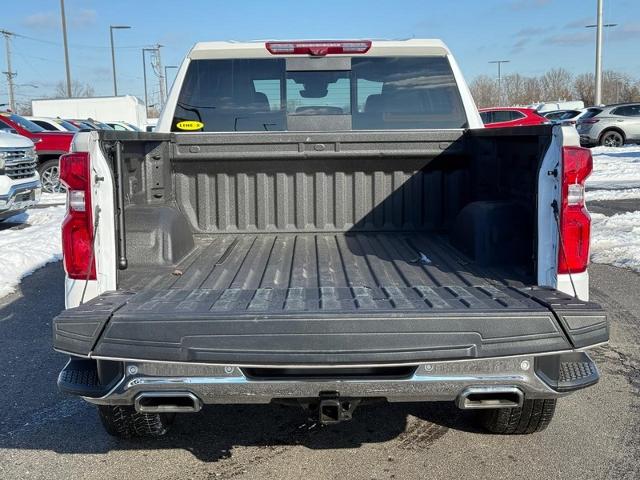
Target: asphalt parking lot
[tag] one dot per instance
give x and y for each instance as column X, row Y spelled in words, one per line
column 43, row 434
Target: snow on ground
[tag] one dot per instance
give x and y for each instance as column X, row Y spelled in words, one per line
column 622, row 194
column 615, row 240
column 25, row 249
column 615, row 168
column 53, row 198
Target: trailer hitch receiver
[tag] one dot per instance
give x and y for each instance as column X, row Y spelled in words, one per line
column 333, row 409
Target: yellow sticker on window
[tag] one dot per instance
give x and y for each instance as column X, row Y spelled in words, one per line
column 189, row 125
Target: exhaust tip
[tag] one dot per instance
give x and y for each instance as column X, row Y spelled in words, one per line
column 474, row 398
column 167, row 402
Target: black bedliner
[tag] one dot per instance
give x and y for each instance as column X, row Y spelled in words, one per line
column 325, row 299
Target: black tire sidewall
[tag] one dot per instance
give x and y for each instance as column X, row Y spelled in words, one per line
column 611, row 133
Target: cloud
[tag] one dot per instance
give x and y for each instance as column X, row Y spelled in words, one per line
column 621, row 33
column 627, row 31
column 524, row 36
column 83, row 18
column 580, row 23
column 100, row 71
column 531, row 31
column 519, row 45
column 569, row 39
column 527, row 4
column 43, row 21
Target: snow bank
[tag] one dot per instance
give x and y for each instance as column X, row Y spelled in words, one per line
column 615, row 168
column 615, row 240
column 25, row 249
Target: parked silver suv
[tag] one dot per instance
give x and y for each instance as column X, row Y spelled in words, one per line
column 612, row 126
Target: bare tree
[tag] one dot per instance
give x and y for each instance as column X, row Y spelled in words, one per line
column 533, row 90
column 513, row 90
column 557, row 84
column 584, row 89
column 24, row 108
column 77, row 90
column 485, row 91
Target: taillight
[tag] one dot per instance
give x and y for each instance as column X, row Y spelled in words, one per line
column 590, row 121
column 318, row 48
column 575, row 222
column 77, row 227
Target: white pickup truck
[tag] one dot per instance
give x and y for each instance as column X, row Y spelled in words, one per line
column 326, row 224
column 19, row 181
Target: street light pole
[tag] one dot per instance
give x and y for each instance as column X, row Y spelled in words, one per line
column 166, row 77
column 599, row 26
column 598, row 97
column 113, row 54
column 66, row 48
column 499, row 63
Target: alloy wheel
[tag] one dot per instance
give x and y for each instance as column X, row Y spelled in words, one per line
column 50, row 180
column 612, row 139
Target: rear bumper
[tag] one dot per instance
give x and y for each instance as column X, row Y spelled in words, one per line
column 19, row 197
column 587, row 141
column 544, row 376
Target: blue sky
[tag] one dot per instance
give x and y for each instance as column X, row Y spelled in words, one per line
column 534, row 34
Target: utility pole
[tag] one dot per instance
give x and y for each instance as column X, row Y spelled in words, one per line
column 499, row 62
column 9, row 73
column 160, row 72
column 66, row 48
column 113, row 54
column 144, row 74
column 166, row 77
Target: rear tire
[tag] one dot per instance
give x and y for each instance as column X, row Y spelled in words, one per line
column 123, row 421
column 533, row 416
column 612, row 138
column 49, row 171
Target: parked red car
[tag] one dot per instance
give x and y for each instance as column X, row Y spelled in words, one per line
column 49, row 147
column 499, row 117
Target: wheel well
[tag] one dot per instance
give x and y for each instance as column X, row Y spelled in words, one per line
column 48, row 156
column 612, row 129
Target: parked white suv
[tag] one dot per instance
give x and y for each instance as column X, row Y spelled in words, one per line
column 19, row 181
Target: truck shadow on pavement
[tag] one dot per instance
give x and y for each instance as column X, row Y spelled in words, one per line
column 38, row 417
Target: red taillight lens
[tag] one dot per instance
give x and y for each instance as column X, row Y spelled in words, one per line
column 318, row 48
column 77, row 227
column 575, row 222
column 590, row 120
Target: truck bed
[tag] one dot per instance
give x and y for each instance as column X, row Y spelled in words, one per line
column 327, row 249
column 349, row 298
column 321, row 261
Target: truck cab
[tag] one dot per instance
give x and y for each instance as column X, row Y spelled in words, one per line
column 326, row 224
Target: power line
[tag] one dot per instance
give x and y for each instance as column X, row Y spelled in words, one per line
column 51, row 42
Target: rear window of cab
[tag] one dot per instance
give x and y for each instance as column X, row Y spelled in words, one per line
column 376, row 93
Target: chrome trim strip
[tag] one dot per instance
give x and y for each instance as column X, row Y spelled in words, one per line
column 20, row 188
